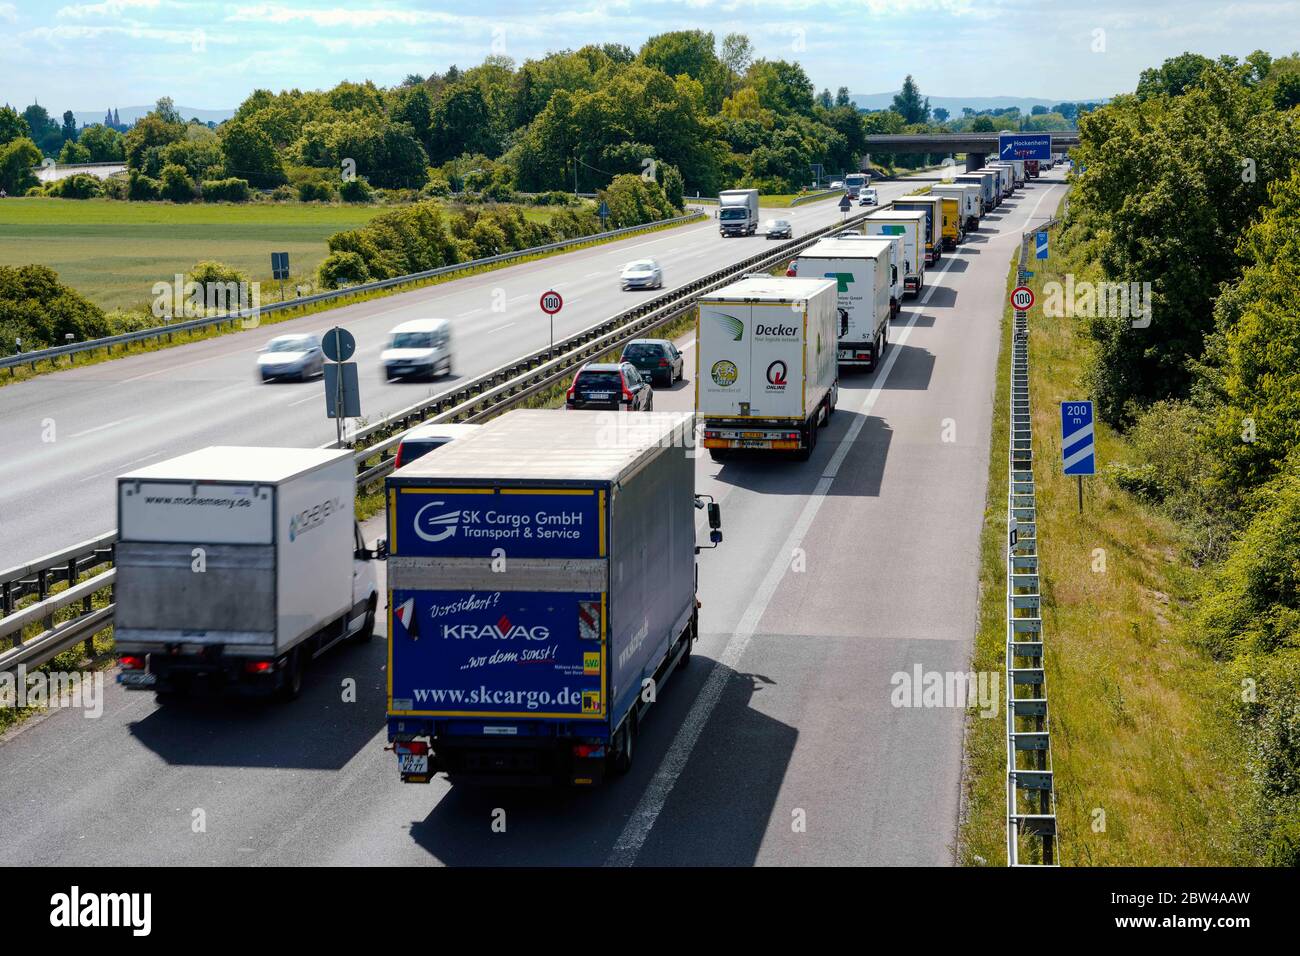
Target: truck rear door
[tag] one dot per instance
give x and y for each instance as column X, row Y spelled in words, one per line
column 723, row 380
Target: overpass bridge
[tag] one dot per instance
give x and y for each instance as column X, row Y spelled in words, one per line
column 976, row 146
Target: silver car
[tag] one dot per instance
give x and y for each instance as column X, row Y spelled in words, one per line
column 291, row 356
column 642, row 274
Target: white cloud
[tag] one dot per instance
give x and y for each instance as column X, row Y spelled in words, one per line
column 106, row 8
column 8, row 13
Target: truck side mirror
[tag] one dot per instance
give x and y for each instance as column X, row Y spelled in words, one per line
column 715, row 517
column 715, row 536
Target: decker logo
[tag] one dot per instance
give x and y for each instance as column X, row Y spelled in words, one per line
column 776, row 374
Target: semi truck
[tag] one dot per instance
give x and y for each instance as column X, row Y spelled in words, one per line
column 932, row 206
column 864, row 274
column 541, row 594
column 970, row 199
column 987, row 181
column 766, row 376
column 854, row 183
column 738, row 212
column 911, row 226
column 236, row 566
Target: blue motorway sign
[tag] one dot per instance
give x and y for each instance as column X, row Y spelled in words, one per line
column 1025, row 146
column 1078, row 444
column 1041, row 245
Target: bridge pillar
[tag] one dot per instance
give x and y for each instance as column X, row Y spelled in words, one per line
column 975, row 161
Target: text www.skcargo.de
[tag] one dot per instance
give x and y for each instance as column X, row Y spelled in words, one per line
column 528, row 699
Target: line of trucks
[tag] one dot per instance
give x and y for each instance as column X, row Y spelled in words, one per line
column 540, row 569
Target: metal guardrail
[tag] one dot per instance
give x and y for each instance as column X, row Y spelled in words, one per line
column 481, row 397
column 229, row 318
column 817, row 195
column 1031, row 797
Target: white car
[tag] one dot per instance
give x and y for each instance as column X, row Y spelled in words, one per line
column 422, row 439
column 868, row 197
column 838, row 184
column 642, row 274
column 291, row 356
column 421, row 347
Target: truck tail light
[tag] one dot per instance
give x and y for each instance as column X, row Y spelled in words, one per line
column 794, row 436
column 589, row 750
column 790, row 271
column 259, row 667
column 131, row 662
column 411, row 747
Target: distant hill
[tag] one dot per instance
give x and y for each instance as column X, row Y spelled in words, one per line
column 955, row 104
column 129, row 114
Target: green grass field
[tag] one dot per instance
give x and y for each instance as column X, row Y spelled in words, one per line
column 113, row 252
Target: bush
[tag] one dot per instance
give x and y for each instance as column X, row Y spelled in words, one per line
column 342, row 268
column 436, row 187
column 356, row 190
column 176, row 183
column 225, row 190
column 210, row 271
column 142, row 188
column 37, row 308
column 121, row 321
column 115, row 187
column 283, row 194
column 315, row 192
column 78, row 186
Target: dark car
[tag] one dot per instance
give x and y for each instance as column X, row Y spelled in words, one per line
column 656, row 359
column 612, row 386
column 778, row 229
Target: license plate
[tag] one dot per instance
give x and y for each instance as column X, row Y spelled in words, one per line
column 752, row 444
column 414, row 763
column 137, row 679
column 846, row 354
column 599, row 396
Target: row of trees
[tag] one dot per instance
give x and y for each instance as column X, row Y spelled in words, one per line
column 1192, row 183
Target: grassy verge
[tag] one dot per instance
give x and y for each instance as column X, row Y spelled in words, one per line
column 1145, row 757
column 24, row 372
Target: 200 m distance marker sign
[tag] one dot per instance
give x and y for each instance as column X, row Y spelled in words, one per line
column 1022, row 297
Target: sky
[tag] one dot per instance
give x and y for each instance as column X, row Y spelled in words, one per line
column 210, row 55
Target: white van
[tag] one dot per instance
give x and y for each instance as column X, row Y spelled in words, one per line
column 421, row 347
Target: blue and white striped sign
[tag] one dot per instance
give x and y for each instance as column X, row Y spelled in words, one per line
column 1041, row 245
column 1078, row 444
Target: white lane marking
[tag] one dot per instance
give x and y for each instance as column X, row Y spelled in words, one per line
column 638, row 827
column 304, row 401
column 592, row 275
column 136, row 461
column 466, row 315
column 499, row 328
column 100, row 428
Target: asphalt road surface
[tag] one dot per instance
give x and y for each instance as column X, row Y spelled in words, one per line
column 69, row 434
column 778, row 745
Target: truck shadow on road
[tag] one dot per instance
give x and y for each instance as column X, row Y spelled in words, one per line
column 913, row 368
column 768, row 474
column 716, row 813
column 942, row 297
column 318, row 731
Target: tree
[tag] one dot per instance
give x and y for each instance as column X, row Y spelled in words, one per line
column 983, row 124
column 249, row 154
column 688, row 52
column 842, row 97
column 176, row 183
column 781, row 86
column 12, row 126
column 144, row 142
column 459, row 124
column 16, row 162
column 940, row 114
column 1037, row 110
column 37, row 308
column 736, row 54
column 909, row 104
column 165, row 109
column 73, row 153
column 69, row 131
column 105, row 145
column 824, row 99
column 1174, row 77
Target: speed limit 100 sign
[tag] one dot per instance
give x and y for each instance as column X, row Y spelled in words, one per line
column 551, row 302
column 1022, row 298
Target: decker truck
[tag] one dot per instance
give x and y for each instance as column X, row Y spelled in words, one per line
column 236, row 566
column 541, row 594
column 738, row 212
column 766, row 376
column 864, row 273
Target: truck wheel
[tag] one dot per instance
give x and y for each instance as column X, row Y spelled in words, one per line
column 623, row 750
column 367, row 631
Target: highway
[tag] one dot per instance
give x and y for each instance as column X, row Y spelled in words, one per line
column 778, row 745
column 68, row 434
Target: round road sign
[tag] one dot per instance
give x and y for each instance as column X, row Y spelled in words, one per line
column 338, row 344
column 551, row 302
column 1022, row 297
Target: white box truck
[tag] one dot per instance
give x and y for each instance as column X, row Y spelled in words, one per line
column 1006, row 179
column 765, row 371
column 738, row 212
column 864, row 272
column 987, row 181
column 969, row 201
column 911, row 226
column 235, row 566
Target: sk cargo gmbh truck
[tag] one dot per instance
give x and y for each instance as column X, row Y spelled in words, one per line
column 738, row 212
column 236, row 566
column 911, row 225
column 766, row 376
column 541, row 594
column 864, row 273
